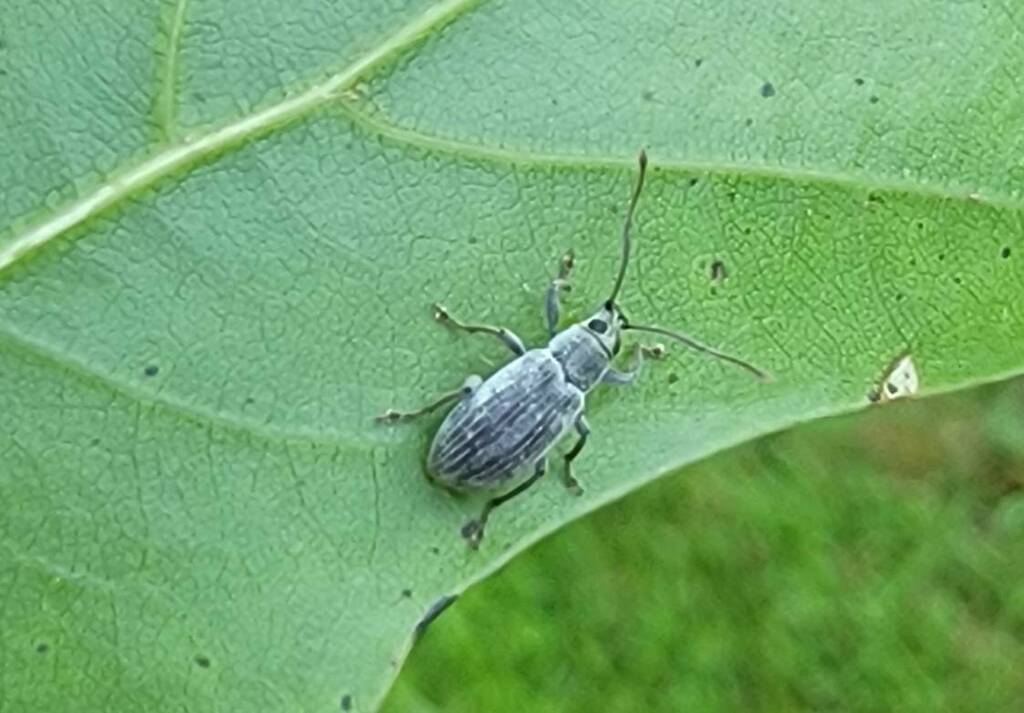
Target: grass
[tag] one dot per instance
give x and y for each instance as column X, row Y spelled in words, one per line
column 868, row 563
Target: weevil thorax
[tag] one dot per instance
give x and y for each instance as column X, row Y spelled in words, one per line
column 586, row 349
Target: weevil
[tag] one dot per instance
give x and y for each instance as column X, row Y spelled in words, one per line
column 498, row 436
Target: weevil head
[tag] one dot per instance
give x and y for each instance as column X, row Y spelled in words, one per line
column 605, row 326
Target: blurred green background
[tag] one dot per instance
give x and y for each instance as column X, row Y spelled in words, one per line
column 873, row 562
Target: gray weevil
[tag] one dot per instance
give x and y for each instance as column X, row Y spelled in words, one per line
column 515, row 417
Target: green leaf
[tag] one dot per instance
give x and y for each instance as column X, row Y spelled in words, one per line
column 226, row 221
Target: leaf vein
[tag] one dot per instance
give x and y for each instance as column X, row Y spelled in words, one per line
column 868, row 183
column 182, row 409
column 191, row 149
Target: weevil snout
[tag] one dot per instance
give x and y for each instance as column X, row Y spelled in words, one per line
column 606, row 326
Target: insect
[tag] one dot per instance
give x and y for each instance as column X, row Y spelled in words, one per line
column 504, row 427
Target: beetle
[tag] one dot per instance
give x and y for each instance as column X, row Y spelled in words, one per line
column 509, row 422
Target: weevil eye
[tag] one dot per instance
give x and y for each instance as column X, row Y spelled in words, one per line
column 598, row 326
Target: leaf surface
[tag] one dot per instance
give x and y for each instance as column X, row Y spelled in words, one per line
column 222, row 225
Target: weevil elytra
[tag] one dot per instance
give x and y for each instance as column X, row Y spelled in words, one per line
column 507, row 424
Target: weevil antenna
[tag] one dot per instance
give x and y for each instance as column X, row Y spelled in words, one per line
column 625, row 228
column 695, row 345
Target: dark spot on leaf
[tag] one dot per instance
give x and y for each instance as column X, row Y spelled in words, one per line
column 435, row 610
column 673, row 378
column 718, row 271
column 1005, row 252
column 698, row 62
column 471, row 240
column 900, row 296
column 746, row 231
column 42, row 648
column 873, row 99
column 958, row 280
column 346, row 702
column 874, row 396
column 435, row 550
column 202, row 661
column 554, row 101
column 713, row 291
column 694, row 180
column 647, row 95
column 767, row 90
column 94, row 442
column 920, row 225
column 731, row 195
column 875, row 198
column 913, row 262
column 891, row 388
column 749, row 121
column 249, row 400
column 406, row 593
column 151, row 370
column 858, row 81
column 942, row 257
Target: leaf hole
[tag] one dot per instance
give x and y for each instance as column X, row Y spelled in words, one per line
column 1005, row 252
column 767, row 90
column 151, row 370
column 42, row 648
column 202, row 661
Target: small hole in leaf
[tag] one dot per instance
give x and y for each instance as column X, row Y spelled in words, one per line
column 406, row 593
column 858, row 81
column 718, row 270
column 873, row 99
column 151, row 370
column 42, row 648
column 1005, row 252
column 767, row 90
column 202, row 661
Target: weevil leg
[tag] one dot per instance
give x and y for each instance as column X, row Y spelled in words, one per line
column 468, row 387
column 558, row 285
column 507, row 338
column 582, row 428
column 473, row 530
column 626, row 378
